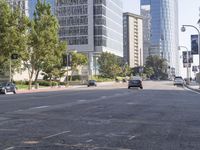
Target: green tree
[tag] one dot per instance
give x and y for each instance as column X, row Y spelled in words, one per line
column 44, row 48
column 78, row 60
column 159, row 66
column 13, row 37
column 148, row 71
column 109, row 65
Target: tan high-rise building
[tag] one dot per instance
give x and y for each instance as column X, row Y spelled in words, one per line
column 133, row 39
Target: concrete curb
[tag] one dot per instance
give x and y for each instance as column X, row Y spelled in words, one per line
column 196, row 90
column 54, row 89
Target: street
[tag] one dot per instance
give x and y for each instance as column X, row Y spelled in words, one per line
column 107, row 117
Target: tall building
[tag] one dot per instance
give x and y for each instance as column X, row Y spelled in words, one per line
column 133, row 39
column 145, row 13
column 32, row 4
column 91, row 26
column 22, row 4
column 164, row 31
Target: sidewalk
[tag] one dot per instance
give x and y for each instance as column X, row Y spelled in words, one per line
column 62, row 88
column 48, row 89
column 193, row 86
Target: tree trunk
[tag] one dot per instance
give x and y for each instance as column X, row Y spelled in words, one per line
column 36, row 76
column 30, row 80
column 71, row 75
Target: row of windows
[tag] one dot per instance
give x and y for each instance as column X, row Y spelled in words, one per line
column 100, row 20
column 74, row 10
column 100, row 30
column 71, row 31
column 100, row 2
column 99, row 10
column 83, row 40
column 71, row 2
column 100, row 41
column 76, row 20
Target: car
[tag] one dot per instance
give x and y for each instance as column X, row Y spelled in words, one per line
column 135, row 83
column 179, row 82
column 6, row 87
column 91, row 83
column 178, row 77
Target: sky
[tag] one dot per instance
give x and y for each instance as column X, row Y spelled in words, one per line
column 188, row 14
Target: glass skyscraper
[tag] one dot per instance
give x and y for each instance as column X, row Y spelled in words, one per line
column 164, row 31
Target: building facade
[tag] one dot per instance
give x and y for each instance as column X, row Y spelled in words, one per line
column 91, row 26
column 133, row 39
column 164, row 30
column 145, row 13
column 22, row 4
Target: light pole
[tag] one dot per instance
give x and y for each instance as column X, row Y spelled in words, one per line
column 183, row 29
column 187, row 62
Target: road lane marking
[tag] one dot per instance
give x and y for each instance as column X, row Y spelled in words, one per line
column 9, row 148
column 30, row 142
column 88, row 141
column 39, row 107
column 53, row 135
column 132, row 137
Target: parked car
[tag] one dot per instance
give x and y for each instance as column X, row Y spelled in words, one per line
column 6, row 87
column 179, row 82
column 91, row 83
column 135, row 82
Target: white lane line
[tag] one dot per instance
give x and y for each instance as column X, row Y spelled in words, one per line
column 39, row 107
column 132, row 137
column 50, row 136
column 88, row 141
column 9, row 148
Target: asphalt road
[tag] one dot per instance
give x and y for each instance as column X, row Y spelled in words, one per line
column 160, row 117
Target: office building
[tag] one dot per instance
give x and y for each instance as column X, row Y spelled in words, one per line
column 91, row 26
column 22, row 4
column 133, row 39
column 164, row 31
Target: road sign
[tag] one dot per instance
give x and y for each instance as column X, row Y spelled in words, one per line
column 185, row 57
column 194, row 44
column 194, row 68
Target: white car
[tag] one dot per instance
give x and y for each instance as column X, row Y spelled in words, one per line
column 179, row 82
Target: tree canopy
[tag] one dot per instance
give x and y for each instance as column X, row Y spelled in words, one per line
column 110, row 65
column 158, row 66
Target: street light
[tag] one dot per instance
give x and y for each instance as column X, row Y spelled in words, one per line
column 179, row 48
column 183, row 29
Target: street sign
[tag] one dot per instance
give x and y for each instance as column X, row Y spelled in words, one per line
column 194, row 68
column 185, row 57
column 194, row 44
column 185, row 65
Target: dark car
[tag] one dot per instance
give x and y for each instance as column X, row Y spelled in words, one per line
column 6, row 87
column 91, row 83
column 135, row 83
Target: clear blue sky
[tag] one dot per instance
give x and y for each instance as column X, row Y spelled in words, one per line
column 188, row 14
